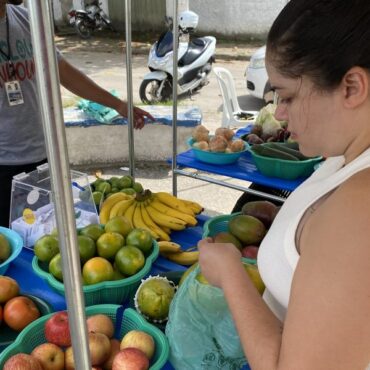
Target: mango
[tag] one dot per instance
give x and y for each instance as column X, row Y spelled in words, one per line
column 226, row 237
column 248, row 229
column 264, row 210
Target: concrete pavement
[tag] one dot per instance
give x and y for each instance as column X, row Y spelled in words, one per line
column 104, row 61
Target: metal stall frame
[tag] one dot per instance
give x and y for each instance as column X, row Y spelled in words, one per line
column 50, row 104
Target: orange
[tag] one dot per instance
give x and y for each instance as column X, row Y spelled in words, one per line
column 93, row 231
column 55, row 267
column 86, row 246
column 141, row 239
column 96, row 270
column 118, row 224
column 46, row 248
column 108, row 244
column 129, row 260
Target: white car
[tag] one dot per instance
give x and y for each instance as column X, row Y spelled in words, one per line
column 257, row 81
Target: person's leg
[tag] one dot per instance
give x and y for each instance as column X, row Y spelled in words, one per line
column 6, row 176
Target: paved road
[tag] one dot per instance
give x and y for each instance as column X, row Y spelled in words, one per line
column 105, row 63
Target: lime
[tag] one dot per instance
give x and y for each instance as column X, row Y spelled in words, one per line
column 129, row 260
column 138, row 187
column 97, row 197
column 129, row 191
column 93, row 231
column 55, row 267
column 5, row 250
column 114, row 180
column 108, row 244
column 96, row 183
column 118, row 224
column 154, row 297
column 141, row 239
column 104, row 187
column 46, row 248
column 125, row 182
column 96, row 270
column 86, row 247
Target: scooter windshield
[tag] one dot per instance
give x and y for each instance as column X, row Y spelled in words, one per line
column 165, row 44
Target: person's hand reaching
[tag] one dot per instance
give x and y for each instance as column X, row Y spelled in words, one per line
column 139, row 115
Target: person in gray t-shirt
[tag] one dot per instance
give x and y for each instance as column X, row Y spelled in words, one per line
column 22, row 144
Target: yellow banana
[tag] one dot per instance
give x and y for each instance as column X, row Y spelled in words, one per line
column 169, row 247
column 152, row 225
column 129, row 214
column 120, row 207
column 109, row 203
column 171, row 201
column 183, row 258
column 168, row 221
column 166, row 229
column 139, row 222
column 194, row 206
column 163, row 208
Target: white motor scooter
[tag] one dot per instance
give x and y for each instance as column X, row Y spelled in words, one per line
column 195, row 60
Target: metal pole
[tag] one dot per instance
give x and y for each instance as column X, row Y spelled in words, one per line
column 174, row 95
column 42, row 32
column 130, row 105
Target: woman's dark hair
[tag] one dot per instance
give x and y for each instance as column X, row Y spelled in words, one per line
column 321, row 39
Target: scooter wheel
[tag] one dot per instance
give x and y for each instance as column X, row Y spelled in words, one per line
column 149, row 92
column 83, row 31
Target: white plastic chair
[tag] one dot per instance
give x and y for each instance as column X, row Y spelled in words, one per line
column 232, row 113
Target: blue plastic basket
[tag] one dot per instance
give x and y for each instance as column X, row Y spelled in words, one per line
column 214, row 157
column 16, row 244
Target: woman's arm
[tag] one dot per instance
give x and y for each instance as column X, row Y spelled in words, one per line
column 78, row 83
column 328, row 320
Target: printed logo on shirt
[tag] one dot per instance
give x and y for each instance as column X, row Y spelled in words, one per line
column 22, row 58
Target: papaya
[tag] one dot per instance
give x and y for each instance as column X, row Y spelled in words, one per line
column 264, row 210
column 248, row 229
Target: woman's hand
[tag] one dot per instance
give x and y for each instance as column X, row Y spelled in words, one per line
column 139, row 115
column 217, row 259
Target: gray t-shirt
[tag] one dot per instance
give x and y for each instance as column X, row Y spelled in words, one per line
column 21, row 132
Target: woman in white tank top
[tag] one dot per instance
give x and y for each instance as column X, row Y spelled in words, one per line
column 315, row 259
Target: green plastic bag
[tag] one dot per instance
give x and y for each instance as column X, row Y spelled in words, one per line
column 200, row 329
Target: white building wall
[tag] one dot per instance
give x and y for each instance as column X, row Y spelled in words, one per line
column 236, row 17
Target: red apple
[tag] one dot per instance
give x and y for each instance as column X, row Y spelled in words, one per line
column 140, row 340
column 100, row 324
column 50, row 356
column 250, row 251
column 99, row 345
column 57, row 329
column 130, row 359
column 19, row 312
column 114, row 349
column 22, row 361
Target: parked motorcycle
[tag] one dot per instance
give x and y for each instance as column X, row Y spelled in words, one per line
column 88, row 20
column 195, row 58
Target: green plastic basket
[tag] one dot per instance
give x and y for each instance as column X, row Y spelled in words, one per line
column 16, row 244
column 7, row 335
column 219, row 224
column 124, row 321
column 283, row 169
column 117, row 291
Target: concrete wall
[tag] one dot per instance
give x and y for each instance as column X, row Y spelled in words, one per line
column 226, row 18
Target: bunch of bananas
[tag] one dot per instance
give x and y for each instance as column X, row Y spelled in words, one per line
column 160, row 213
column 174, row 253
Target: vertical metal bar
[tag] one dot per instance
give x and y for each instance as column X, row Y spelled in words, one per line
column 42, row 32
column 174, row 95
column 130, row 105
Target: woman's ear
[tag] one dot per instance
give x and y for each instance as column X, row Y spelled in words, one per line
column 355, row 87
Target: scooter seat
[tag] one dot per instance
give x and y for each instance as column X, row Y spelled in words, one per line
column 195, row 50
